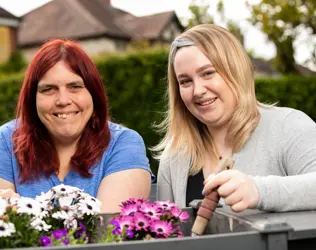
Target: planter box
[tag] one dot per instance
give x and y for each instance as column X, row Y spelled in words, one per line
column 249, row 230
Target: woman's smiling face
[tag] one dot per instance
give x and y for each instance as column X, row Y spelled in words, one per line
column 203, row 91
column 63, row 103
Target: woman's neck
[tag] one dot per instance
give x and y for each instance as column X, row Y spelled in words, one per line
column 65, row 152
column 219, row 136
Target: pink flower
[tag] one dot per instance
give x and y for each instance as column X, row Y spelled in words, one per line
column 141, row 222
column 162, row 229
column 129, row 210
column 126, row 221
column 181, row 215
column 135, row 201
column 152, row 211
column 165, row 204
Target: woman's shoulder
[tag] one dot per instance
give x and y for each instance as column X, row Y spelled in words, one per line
column 8, row 128
column 120, row 132
column 285, row 118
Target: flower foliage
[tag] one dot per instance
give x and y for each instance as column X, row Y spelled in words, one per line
column 66, row 215
column 139, row 219
column 63, row 215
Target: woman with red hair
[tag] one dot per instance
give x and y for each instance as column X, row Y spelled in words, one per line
column 62, row 134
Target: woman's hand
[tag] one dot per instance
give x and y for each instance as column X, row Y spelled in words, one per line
column 238, row 190
column 8, row 193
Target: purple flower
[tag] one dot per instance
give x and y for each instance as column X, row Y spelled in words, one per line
column 133, row 201
column 162, row 229
column 82, row 230
column 181, row 215
column 166, row 205
column 141, row 222
column 129, row 210
column 126, row 221
column 151, row 211
column 129, row 233
column 45, row 241
column 66, row 242
column 117, row 229
column 60, row 233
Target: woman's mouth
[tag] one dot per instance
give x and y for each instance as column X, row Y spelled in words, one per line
column 65, row 115
column 207, row 102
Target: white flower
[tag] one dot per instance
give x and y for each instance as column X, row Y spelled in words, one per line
column 88, row 207
column 3, row 206
column 45, row 197
column 71, row 223
column 64, row 190
column 66, row 201
column 61, row 215
column 29, row 206
column 6, row 229
column 40, row 225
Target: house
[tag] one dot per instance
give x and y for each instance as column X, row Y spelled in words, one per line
column 8, row 34
column 96, row 25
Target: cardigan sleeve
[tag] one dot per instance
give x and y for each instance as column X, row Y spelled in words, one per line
column 297, row 190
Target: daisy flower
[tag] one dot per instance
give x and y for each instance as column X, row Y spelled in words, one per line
column 126, row 221
column 40, row 225
column 141, row 222
column 133, row 201
column 65, row 201
column 3, row 206
column 6, row 229
column 71, row 223
column 181, row 215
column 129, row 210
column 61, row 215
column 162, row 229
column 64, row 190
column 88, row 207
column 151, row 211
column 28, row 206
column 45, row 197
column 165, row 204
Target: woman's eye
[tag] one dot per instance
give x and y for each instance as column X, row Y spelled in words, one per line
column 76, row 87
column 185, row 81
column 46, row 90
column 208, row 73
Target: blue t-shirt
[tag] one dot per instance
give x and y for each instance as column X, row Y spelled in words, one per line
column 126, row 150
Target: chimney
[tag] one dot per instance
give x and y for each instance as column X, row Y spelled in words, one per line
column 107, row 2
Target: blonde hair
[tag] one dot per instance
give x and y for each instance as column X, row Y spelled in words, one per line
column 186, row 134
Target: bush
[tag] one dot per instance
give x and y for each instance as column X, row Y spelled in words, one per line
column 16, row 63
column 136, row 86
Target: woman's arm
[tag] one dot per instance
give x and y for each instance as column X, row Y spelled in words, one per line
column 297, row 191
column 126, row 172
column 7, row 188
column 122, row 185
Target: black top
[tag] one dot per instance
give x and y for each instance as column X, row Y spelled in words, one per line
column 195, row 187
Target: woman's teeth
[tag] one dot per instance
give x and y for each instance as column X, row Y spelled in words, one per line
column 65, row 116
column 207, row 102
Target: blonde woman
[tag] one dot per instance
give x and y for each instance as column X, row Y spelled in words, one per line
column 213, row 113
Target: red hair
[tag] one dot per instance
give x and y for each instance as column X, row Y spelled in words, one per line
column 33, row 147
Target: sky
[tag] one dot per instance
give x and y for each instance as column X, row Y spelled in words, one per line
column 235, row 10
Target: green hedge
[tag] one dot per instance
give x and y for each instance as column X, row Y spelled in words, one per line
column 136, row 85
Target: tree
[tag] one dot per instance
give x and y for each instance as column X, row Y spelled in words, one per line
column 282, row 21
column 199, row 15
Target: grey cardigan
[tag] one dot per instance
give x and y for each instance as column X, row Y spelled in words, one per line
column 280, row 155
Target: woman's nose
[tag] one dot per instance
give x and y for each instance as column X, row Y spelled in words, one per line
column 199, row 89
column 63, row 98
